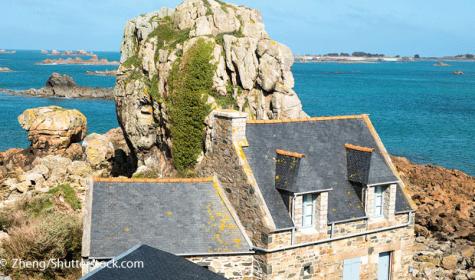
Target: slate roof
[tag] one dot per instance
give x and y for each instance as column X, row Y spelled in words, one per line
column 178, row 217
column 157, row 265
column 323, row 167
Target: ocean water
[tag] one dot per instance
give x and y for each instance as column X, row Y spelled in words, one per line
column 420, row 111
column 27, row 74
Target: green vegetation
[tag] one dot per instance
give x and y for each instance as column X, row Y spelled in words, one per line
column 132, row 61
column 41, row 228
column 168, row 36
column 208, row 8
column 69, row 195
column 190, row 83
column 153, row 89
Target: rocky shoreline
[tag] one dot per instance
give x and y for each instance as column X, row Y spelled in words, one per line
column 445, row 220
column 63, row 86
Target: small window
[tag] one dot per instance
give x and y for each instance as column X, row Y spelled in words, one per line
column 308, row 210
column 307, row 270
column 378, row 201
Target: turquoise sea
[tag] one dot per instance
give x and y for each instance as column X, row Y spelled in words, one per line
column 420, row 111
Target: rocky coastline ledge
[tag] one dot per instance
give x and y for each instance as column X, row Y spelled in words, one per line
column 63, row 86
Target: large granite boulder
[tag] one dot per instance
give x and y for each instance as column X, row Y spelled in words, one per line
column 251, row 68
column 53, row 129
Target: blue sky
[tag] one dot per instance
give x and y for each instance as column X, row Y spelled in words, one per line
column 405, row 27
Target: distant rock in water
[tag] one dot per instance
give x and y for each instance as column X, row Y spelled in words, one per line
column 94, row 60
column 5, row 69
column 252, row 72
column 441, row 64
column 63, row 86
column 102, row 73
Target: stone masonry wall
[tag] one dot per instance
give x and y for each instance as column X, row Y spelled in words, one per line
column 325, row 261
column 231, row 267
column 223, row 160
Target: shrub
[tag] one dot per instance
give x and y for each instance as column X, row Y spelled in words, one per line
column 53, row 236
column 39, row 231
column 190, row 83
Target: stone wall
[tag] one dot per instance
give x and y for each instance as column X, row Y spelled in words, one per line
column 231, row 267
column 325, row 260
column 224, row 160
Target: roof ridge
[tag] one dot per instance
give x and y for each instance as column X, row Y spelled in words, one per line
column 359, row 148
column 153, row 180
column 310, row 119
column 289, row 153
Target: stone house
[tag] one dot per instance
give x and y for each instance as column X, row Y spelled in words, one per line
column 316, row 198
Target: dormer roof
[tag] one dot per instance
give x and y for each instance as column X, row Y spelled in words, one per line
column 324, row 167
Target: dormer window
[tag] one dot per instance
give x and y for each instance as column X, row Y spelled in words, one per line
column 308, row 211
column 379, row 201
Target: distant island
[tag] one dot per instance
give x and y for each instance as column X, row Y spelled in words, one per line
column 364, row 57
column 67, row 53
column 94, row 60
column 2, row 51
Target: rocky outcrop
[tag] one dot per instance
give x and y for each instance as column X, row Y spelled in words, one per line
column 445, row 220
column 63, row 86
column 252, row 70
column 58, row 156
column 52, row 130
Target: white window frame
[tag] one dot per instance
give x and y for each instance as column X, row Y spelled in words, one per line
column 306, row 205
column 379, row 201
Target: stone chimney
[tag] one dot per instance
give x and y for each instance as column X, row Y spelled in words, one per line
column 229, row 125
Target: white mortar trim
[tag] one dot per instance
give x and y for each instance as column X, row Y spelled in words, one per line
column 311, row 192
column 384, row 183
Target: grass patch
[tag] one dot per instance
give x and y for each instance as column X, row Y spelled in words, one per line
column 69, row 195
